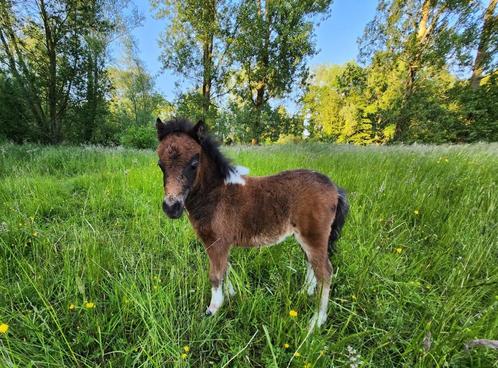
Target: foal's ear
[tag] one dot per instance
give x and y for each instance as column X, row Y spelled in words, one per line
column 161, row 127
column 200, row 130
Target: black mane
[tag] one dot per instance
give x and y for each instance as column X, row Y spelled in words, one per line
column 198, row 132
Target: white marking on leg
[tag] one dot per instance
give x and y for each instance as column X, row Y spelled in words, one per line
column 235, row 175
column 320, row 317
column 216, row 299
column 229, row 286
column 231, row 290
column 310, row 280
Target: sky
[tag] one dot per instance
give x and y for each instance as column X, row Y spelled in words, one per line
column 336, row 39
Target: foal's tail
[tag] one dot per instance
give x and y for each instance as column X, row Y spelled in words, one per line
column 340, row 218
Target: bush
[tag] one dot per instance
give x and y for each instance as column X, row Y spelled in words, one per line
column 289, row 138
column 142, row 137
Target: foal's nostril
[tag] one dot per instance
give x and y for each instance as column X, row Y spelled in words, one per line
column 175, row 207
column 174, row 210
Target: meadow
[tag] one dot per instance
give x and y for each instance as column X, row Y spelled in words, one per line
column 92, row 274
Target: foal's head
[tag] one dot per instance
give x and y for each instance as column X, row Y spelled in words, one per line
column 179, row 156
column 182, row 148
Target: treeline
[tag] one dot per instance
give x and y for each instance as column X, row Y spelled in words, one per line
column 409, row 89
column 239, row 61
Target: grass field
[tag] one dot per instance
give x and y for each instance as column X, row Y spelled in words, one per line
column 93, row 274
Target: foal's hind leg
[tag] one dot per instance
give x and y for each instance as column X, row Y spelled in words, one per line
column 316, row 251
column 323, row 270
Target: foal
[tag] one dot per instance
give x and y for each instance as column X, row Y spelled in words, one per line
column 228, row 208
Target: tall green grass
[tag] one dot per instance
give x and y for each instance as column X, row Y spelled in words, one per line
column 418, row 262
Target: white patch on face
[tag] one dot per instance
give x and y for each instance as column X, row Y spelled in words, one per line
column 216, row 299
column 236, row 175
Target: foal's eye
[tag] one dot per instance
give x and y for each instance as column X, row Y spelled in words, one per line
column 194, row 164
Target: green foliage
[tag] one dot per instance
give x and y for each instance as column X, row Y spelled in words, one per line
column 14, row 115
column 368, row 105
column 85, row 224
column 142, row 137
column 236, row 124
column 343, row 104
column 196, row 42
column 274, row 40
column 55, row 53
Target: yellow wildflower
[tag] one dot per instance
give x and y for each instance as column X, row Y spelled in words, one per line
column 286, row 346
column 293, row 313
column 297, row 354
column 186, row 348
column 89, row 305
column 398, row 250
column 416, row 212
column 307, row 365
column 353, row 297
column 72, row 306
column 184, row 355
column 4, row 328
column 35, row 234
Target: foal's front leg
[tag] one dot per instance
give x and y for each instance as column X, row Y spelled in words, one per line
column 218, row 261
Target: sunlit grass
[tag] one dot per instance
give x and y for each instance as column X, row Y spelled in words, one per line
column 93, row 274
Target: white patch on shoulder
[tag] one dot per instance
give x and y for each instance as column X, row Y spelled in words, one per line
column 236, row 175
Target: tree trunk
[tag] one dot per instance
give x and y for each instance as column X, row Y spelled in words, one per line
column 207, row 56
column 55, row 129
column 207, row 77
column 91, row 97
column 422, row 31
column 414, row 62
column 263, row 61
column 489, row 23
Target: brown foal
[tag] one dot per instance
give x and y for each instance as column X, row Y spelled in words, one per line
column 226, row 207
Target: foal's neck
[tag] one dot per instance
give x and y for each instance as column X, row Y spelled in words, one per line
column 204, row 193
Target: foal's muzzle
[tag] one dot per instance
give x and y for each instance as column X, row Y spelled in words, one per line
column 173, row 210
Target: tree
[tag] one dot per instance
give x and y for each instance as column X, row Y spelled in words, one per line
column 417, row 35
column 134, row 100
column 343, row 104
column 487, row 47
column 197, row 41
column 274, row 40
column 55, row 51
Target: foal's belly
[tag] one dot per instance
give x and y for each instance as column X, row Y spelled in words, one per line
column 268, row 239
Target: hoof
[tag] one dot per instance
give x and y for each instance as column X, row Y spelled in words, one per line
column 211, row 311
